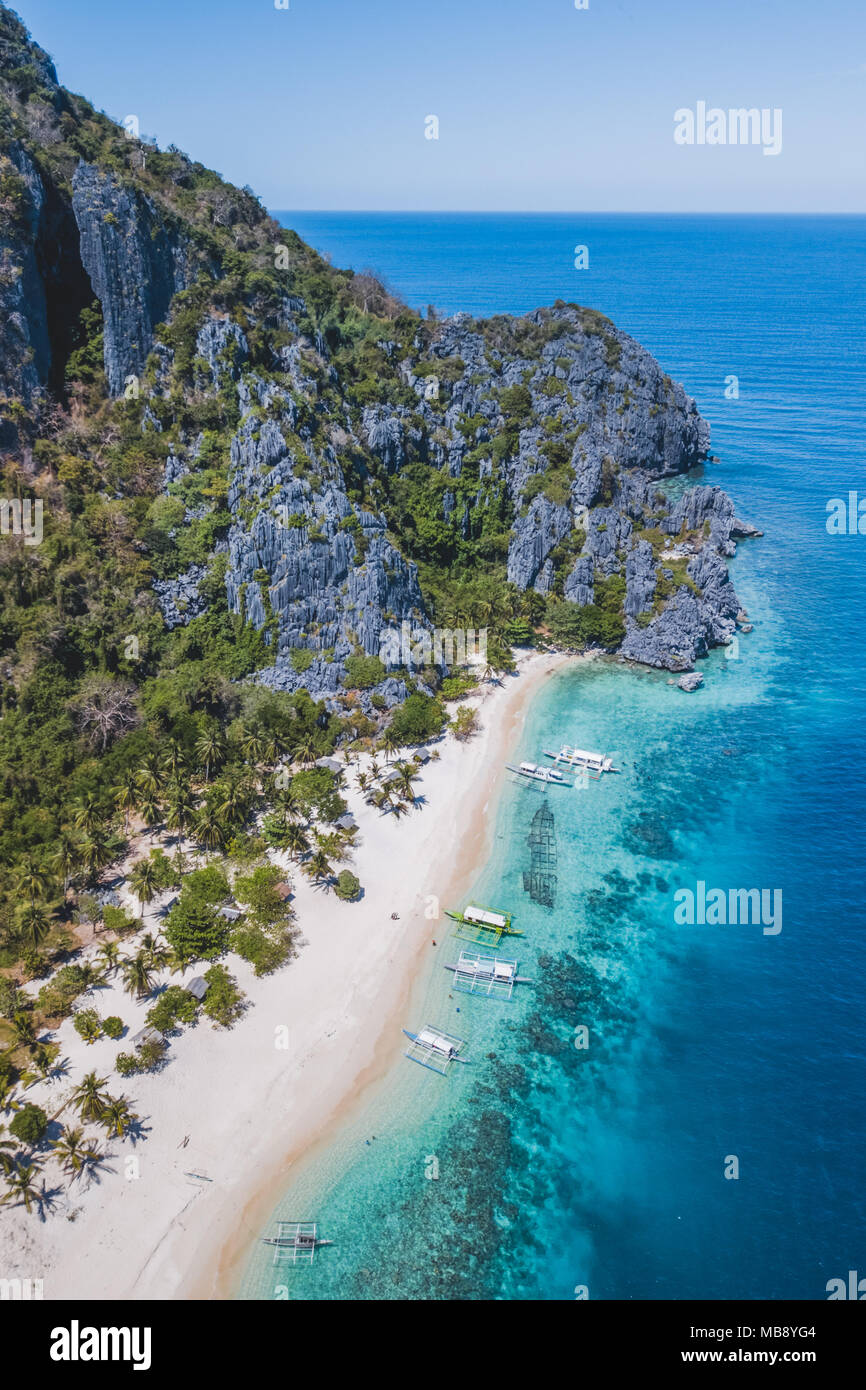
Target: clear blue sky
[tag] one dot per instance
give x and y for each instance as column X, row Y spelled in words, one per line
column 541, row 107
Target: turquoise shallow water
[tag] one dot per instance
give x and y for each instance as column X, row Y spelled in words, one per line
column 604, row 1167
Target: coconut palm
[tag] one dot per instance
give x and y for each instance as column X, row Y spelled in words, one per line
column 332, row 846
column 108, row 956
column 391, row 743
column 117, row 1117
column 36, row 922
column 66, row 857
column 21, row 1185
column 362, row 781
column 150, row 807
column 209, row 829
column 32, row 879
column 138, row 975
column 233, row 801
column 156, row 951
column 286, row 801
column 180, row 808
column 174, row 758
column 6, row 1163
column 210, row 750
column 87, row 814
column 306, row 751
column 144, row 881
column 405, row 779
column 70, row 1149
column 318, row 867
column 253, row 747
column 22, row 1026
column 90, row 1097
column 125, row 796
column 96, row 852
column 297, row 841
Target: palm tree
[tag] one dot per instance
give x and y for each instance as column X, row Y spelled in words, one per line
column 406, row 777
column 150, row 807
column 318, row 867
column 117, row 1117
column 289, row 804
column 87, row 814
column 210, row 749
column 137, row 975
column 143, row 880
column 65, row 858
column 22, row 1026
column 95, row 852
column 36, row 922
column 21, row 1186
column 253, row 747
column 174, row 758
column 108, row 954
column 235, row 800
column 391, row 743
column 180, row 808
column 156, row 951
column 89, row 1097
column 209, row 828
column 6, row 1163
column 126, row 797
column 306, row 751
column 297, row 841
column 332, row 846
column 361, row 781
column 70, row 1150
column 32, row 880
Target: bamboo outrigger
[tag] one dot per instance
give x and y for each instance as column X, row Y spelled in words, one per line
column 296, row 1242
column 490, row 975
column 434, row 1048
column 482, row 926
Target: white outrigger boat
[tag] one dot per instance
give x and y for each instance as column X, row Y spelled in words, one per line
column 477, row 974
column 433, row 1048
column 534, row 773
column 582, row 761
column 296, row 1242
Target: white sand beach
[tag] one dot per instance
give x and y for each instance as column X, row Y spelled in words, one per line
column 232, row 1107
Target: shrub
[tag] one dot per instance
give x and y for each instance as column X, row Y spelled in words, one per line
column 418, row 718
column 112, row 1027
column 127, row 1063
column 29, row 1124
column 223, row 1002
column 175, row 1005
column 87, row 1025
column 301, row 658
column 347, row 886
column 363, row 672
column 265, row 951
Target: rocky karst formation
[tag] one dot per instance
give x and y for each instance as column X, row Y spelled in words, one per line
column 554, row 430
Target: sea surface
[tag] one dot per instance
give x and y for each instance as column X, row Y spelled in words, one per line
column 602, row 1169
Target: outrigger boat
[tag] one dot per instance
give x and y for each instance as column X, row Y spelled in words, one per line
column 593, row 763
column 295, row 1242
column 534, row 773
column 434, row 1048
column 483, row 927
column 477, row 974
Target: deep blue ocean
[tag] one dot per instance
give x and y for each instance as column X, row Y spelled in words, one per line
column 605, row 1168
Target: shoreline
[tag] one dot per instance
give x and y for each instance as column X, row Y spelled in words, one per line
column 344, row 1008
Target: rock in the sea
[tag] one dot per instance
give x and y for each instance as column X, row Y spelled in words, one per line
column 692, row 680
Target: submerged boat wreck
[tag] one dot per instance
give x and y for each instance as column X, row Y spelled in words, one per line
column 539, row 880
